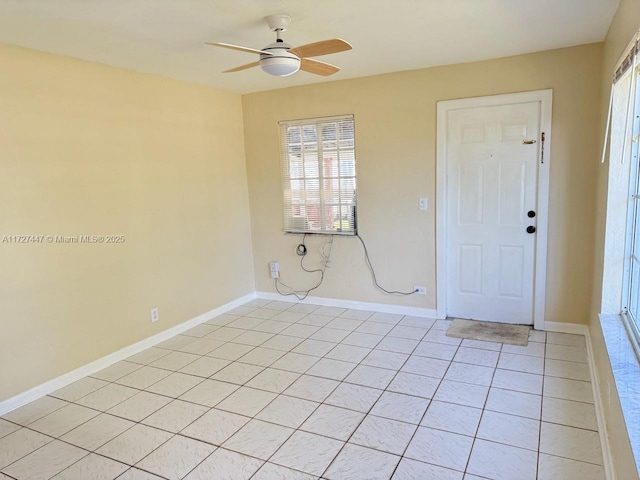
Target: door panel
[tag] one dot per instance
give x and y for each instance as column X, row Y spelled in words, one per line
column 470, row 268
column 512, row 193
column 491, row 184
column 511, row 265
column 470, row 195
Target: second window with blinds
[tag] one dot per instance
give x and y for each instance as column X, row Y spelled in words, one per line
column 318, row 160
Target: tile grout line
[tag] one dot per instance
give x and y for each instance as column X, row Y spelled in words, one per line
column 367, row 413
column 544, row 363
column 428, row 405
column 475, row 436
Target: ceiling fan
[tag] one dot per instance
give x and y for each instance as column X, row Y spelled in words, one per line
column 281, row 60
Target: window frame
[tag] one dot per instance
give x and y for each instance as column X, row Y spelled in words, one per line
column 331, row 173
column 631, row 314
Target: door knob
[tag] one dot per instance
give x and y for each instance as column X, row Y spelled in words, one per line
column 531, row 229
column 531, row 214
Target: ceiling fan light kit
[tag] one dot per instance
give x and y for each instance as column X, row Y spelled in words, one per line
column 280, row 60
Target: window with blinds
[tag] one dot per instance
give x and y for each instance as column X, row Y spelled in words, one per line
column 319, row 175
column 624, row 155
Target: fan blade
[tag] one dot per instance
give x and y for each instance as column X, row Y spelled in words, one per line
column 242, row 67
column 317, row 67
column 325, row 47
column 238, row 47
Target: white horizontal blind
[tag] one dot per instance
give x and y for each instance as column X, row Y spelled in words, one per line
column 319, row 175
column 628, row 61
column 628, row 58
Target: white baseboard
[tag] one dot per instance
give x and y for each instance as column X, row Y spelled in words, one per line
column 561, row 327
column 355, row 305
column 607, row 459
column 578, row 329
column 97, row 365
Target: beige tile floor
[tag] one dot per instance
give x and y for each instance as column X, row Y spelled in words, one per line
column 276, row 390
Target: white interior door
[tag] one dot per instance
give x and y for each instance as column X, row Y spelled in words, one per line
column 492, row 211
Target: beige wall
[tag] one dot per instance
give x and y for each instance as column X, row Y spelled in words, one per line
column 89, row 149
column 624, row 25
column 395, row 117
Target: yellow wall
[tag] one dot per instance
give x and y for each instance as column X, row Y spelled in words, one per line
column 623, row 27
column 90, row 149
column 395, row 117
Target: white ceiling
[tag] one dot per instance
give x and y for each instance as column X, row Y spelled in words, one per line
column 166, row 37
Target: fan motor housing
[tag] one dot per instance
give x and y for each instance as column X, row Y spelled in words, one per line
column 281, row 62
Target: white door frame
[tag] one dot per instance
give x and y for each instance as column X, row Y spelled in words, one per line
column 540, row 267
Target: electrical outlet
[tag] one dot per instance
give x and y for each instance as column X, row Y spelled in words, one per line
column 155, row 315
column 423, row 203
column 274, row 267
column 420, row 290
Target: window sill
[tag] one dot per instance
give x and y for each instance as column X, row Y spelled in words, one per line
column 626, row 373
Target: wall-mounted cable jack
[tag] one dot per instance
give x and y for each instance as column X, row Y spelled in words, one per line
column 274, row 268
column 301, row 251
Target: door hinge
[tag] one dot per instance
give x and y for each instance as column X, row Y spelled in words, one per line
column 542, row 148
